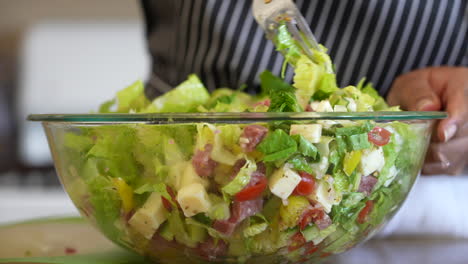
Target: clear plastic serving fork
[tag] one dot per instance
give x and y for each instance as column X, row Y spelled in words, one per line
column 270, row 14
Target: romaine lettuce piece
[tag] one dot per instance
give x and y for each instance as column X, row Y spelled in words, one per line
column 257, row 224
column 186, row 97
column 219, row 208
column 311, row 78
column 281, row 94
column 306, row 148
column 313, row 233
column 277, row 146
column 111, row 152
column 242, row 178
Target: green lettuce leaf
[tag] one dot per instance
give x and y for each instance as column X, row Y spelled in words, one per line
column 300, row 163
column 257, row 224
column 186, row 97
column 306, row 148
column 242, row 178
column 277, row 146
column 281, row 94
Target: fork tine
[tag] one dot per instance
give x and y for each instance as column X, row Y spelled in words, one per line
column 305, row 29
column 298, row 37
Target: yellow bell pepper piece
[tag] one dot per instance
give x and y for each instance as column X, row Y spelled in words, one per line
column 126, row 194
column 351, row 161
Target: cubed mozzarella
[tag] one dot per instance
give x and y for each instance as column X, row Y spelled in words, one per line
column 190, row 176
column 193, row 199
column 283, row 182
column 326, row 195
column 352, row 106
column 340, row 108
column 311, row 132
column 372, row 160
column 149, row 217
column 324, row 106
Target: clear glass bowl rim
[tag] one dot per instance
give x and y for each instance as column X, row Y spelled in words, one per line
column 162, row 118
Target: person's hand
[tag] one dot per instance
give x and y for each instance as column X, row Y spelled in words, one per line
column 434, row 89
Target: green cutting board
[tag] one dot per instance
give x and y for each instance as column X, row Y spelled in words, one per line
column 60, row 240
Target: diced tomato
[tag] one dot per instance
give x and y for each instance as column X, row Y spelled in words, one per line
column 325, row 254
column 362, row 217
column 379, row 136
column 297, row 241
column 167, row 204
column 306, row 186
column 310, row 248
column 252, row 192
column 310, row 215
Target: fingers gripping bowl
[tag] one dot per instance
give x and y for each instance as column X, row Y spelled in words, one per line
column 244, row 187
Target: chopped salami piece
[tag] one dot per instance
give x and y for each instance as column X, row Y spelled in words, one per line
column 202, row 162
column 225, row 226
column 265, row 102
column 239, row 212
column 251, row 136
column 242, row 210
column 212, row 249
column 367, row 184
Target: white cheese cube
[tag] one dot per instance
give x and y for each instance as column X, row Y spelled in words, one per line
column 193, row 199
column 327, row 123
column 372, row 160
column 340, row 108
column 324, row 106
column 311, row 132
column 352, row 106
column 149, row 217
column 314, row 105
column 283, row 182
column 190, row 176
column 326, row 195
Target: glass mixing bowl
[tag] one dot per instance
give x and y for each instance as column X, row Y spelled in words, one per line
column 157, row 183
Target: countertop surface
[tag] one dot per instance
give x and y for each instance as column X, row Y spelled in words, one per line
column 55, row 238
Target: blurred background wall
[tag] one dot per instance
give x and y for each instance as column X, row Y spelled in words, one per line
column 60, row 56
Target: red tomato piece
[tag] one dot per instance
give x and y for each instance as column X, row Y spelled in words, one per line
column 325, row 254
column 306, row 186
column 362, row 217
column 379, row 136
column 309, row 216
column 310, row 248
column 297, row 241
column 252, row 192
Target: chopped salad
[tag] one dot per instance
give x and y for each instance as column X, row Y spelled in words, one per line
column 236, row 191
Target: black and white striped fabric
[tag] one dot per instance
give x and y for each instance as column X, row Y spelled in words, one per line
column 220, row 41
